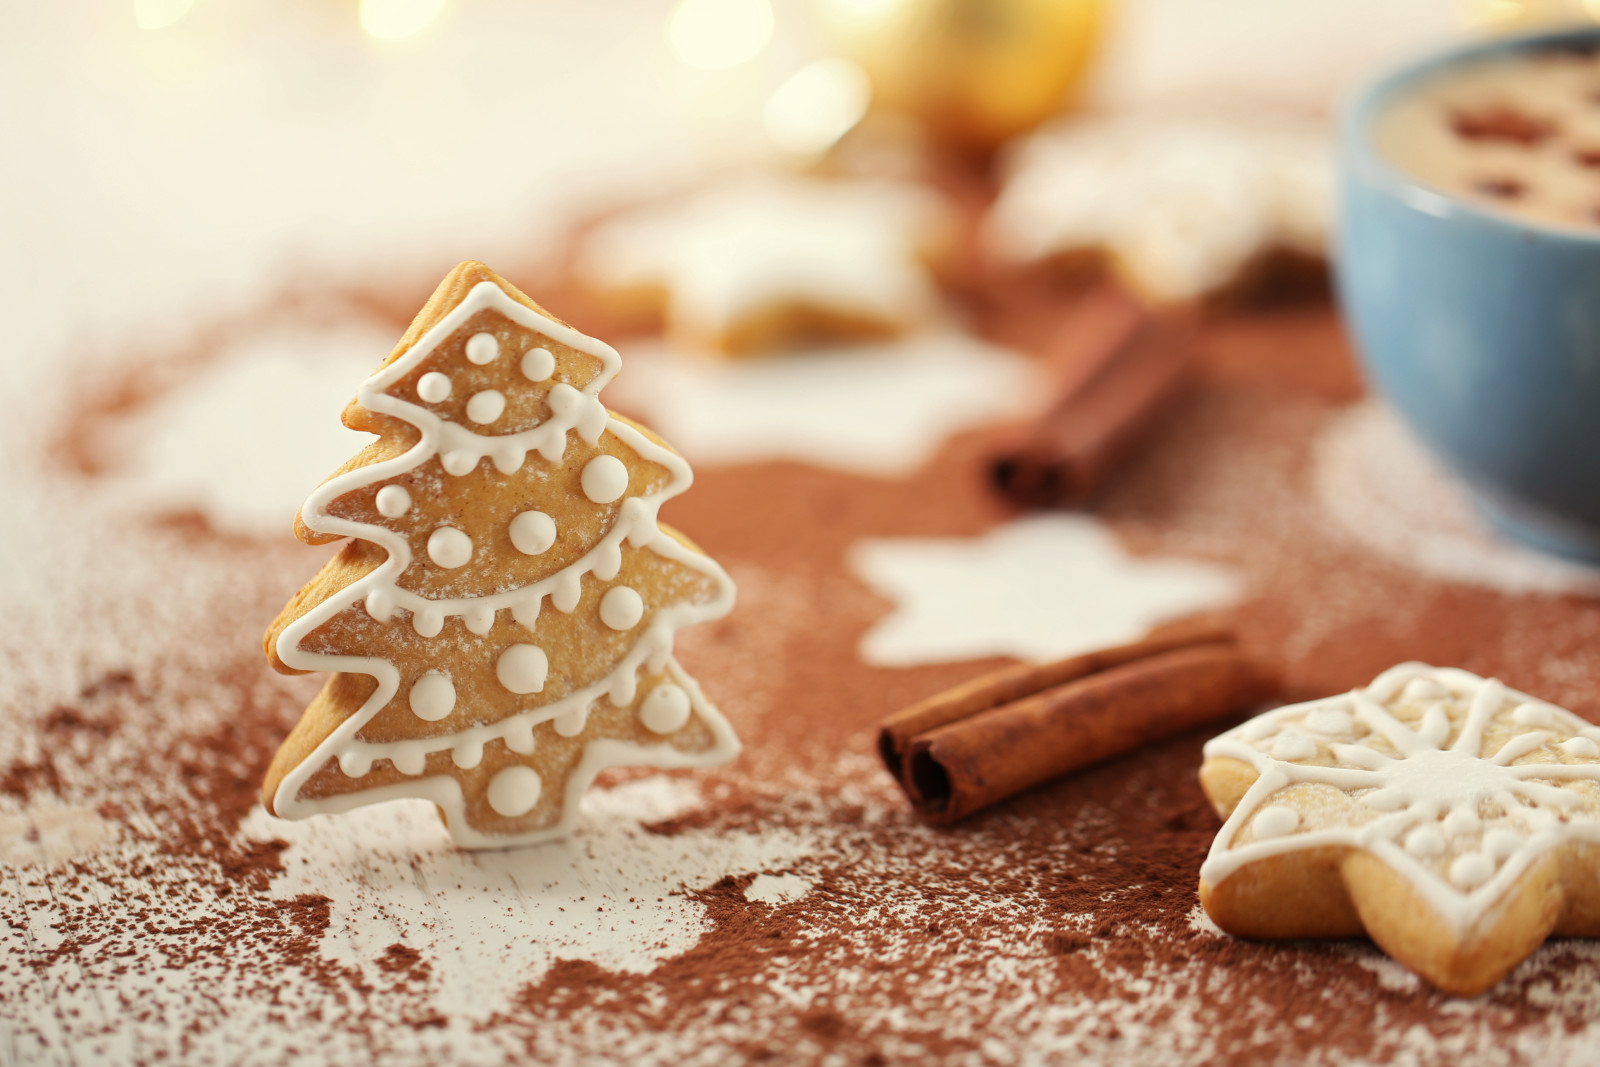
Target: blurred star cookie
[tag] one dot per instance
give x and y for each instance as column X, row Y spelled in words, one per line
column 1179, row 205
column 1453, row 820
column 764, row 263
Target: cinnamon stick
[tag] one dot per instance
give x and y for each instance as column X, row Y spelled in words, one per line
column 956, row 769
column 1126, row 363
column 1025, row 679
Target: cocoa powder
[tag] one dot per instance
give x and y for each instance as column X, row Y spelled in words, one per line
column 1060, row 925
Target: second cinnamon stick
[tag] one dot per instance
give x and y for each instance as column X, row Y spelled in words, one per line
column 958, row 768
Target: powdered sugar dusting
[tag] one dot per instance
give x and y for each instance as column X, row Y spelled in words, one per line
column 1036, row 588
column 880, row 409
column 1389, row 494
column 242, row 439
column 612, row 894
column 1059, row 926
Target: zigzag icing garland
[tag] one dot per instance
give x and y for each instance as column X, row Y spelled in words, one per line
column 1456, row 782
column 460, row 450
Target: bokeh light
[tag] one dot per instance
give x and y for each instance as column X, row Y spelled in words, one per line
column 718, row 34
column 158, row 14
column 392, row 20
column 819, row 104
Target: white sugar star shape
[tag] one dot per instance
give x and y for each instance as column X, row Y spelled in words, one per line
column 1431, row 809
column 903, row 400
column 1036, row 588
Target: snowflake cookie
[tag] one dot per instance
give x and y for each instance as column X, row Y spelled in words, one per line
column 1453, row 820
column 757, row 264
column 500, row 619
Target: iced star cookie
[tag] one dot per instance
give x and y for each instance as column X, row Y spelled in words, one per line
column 1180, row 206
column 765, row 263
column 1453, row 820
column 500, row 620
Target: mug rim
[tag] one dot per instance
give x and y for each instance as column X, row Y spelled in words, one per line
column 1365, row 105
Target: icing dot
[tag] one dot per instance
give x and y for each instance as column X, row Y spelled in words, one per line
column 533, row 532
column 666, row 709
column 514, row 791
column 486, row 406
column 1275, row 821
column 393, row 501
column 482, row 348
column 1531, row 715
column 522, row 668
column 468, row 754
column 1425, row 841
column 1472, row 869
column 428, row 621
column 458, row 461
column 1462, row 821
column 621, row 608
column 1293, row 743
column 411, row 761
column 355, row 764
column 1580, row 746
column 1501, row 842
column 433, row 387
column 1425, row 689
column 479, row 619
column 538, row 364
column 380, row 604
column 508, row 460
column 433, row 696
column 563, row 398
column 604, row 479
column 519, row 737
column 1329, row 721
column 570, row 723
column 449, row 547
column 568, row 591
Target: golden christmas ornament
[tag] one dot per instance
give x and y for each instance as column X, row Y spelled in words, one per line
column 975, row 73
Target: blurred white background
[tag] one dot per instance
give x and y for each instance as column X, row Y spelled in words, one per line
column 150, row 176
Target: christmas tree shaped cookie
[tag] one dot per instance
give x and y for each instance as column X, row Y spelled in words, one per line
column 500, row 619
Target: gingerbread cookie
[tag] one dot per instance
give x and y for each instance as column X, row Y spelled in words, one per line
column 1179, row 205
column 501, row 620
column 765, row 263
column 1453, row 820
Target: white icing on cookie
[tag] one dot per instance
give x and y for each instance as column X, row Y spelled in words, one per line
column 665, row 710
column 486, row 406
column 1276, row 821
column 433, row 696
column 605, row 478
column 482, row 348
column 393, row 501
column 852, row 247
column 1180, row 202
column 523, row 668
column 532, row 533
column 459, row 450
column 449, row 547
column 515, row 790
column 1458, row 783
column 621, row 608
column 433, row 387
column 538, row 364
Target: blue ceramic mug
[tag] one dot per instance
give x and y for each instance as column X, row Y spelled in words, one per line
column 1481, row 328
